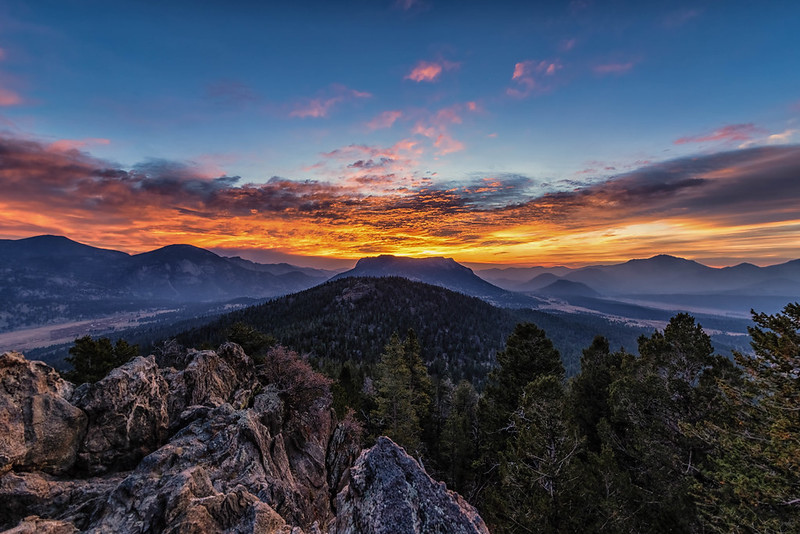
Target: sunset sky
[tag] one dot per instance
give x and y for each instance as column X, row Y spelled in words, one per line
column 518, row 133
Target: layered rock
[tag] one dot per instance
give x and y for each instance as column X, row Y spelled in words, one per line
column 215, row 446
column 127, row 412
column 39, row 428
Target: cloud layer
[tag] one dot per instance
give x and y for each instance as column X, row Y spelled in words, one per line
column 739, row 203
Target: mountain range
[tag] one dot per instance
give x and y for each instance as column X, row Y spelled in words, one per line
column 52, row 280
column 659, row 275
column 47, row 279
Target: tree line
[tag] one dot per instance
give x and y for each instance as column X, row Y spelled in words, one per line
column 674, row 439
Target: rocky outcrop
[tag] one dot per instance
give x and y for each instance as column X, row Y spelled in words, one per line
column 216, row 446
column 39, row 428
column 128, row 417
column 390, row 493
column 227, row 456
column 74, row 500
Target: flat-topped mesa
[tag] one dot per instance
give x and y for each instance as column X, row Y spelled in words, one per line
column 388, row 261
column 202, row 441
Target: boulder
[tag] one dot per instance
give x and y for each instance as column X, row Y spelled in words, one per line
column 128, row 416
column 39, row 428
column 224, row 472
column 211, row 378
column 389, row 492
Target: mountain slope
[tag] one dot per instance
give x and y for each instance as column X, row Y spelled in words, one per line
column 353, row 318
column 442, row 272
column 52, row 279
column 566, row 288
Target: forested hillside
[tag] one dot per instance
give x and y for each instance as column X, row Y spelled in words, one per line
column 676, row 438
column 353, row 318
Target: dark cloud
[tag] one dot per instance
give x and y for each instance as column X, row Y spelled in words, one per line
column 728, row 189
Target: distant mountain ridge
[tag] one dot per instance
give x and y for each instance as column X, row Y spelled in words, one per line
column 663, row 274
column 46, row 279
column 442, row 272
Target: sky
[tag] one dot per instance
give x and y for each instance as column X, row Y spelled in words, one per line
column 502, row 133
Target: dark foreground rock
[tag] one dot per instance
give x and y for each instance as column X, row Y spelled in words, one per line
column 390, row 493
column 213, row 444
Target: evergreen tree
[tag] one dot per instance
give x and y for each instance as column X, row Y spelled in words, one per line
column 670, row 385
column 588, row 395
column 540, row 470
column 254, row 342
column 92, row 360
column 751, row 479
column 402, row 393
column 459, row 438
column 528, row 355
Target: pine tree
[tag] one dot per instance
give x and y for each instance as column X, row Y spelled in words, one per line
column 672, row 384
column 92, row 360
column 588, row 394
column 528, row 355
column 459, row 438
column 403, row 393
column 540, row 470
column 751, row 479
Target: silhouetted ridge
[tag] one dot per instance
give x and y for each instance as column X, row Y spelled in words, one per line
column 442, row 272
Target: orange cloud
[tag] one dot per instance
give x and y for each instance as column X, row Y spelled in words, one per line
column 743, row 200
column 436, row 127
column 429, row 71
column 77, row 144
column 532, row 75
column 9, row 98
column 322, row 106
column 731, row 132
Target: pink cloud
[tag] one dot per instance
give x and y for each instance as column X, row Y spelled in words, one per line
column 384, row 169
column 436, row 127
column 613, row 68
column 9, row 98
column 429, row 71
column 473, row 106
column 322, row 106
column 729, row 133
column 533, row 75
column 447, row 145
column 384, row 120
column 567, row 44
column 64, row 145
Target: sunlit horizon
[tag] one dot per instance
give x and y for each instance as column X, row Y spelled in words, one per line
column 509, row 135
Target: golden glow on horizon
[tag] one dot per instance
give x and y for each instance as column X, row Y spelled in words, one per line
column 528, row 244
column 704, row 207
